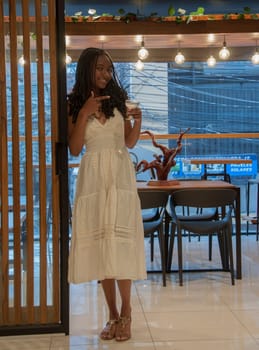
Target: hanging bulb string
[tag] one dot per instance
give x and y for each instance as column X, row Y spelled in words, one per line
column 224, row 52
column 255, row 57
column 143, row 52
column 179, row 58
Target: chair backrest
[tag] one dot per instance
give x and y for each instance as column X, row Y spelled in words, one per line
column 204, row 198
column 153, row 199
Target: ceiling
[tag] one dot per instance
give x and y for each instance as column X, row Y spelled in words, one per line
column 125, row 42
column 163, row 40
column 162, row 47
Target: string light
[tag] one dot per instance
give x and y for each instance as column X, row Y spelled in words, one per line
column 21, row 61
column 255, row 57
column 224, row 52
column 211, row 61
column 68, row 59
column 179, row 58
column 139, row 65
column 143, row 52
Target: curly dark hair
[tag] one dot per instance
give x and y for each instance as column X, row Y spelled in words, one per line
column 83, row 86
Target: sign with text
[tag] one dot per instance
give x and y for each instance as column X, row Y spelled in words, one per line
column 184, row 167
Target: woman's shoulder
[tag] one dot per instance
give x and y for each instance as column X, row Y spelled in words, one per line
column 117, row 113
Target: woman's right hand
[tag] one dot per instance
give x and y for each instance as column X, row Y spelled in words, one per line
column 76, row 131
column 93, row 105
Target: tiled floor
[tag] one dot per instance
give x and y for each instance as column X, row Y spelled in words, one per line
column 206, row 313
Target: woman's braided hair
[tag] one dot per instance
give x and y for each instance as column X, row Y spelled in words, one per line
column 83, row 86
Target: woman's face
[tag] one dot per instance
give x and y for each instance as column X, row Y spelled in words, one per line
column 103, row 72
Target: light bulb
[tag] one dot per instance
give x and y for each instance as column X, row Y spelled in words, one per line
column 21, row 61
column 255, row 57
column 211, row 61
column 179, row 58
column 143, row 52
column 139, row 65
column 68, row 59
column 224, row 52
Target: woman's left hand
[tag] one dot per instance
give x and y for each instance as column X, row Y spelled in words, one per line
column 135, row 113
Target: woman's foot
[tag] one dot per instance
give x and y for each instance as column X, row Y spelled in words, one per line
column 123, row 329
column 109, row 330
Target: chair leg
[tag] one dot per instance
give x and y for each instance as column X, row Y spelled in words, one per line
column 171, row 248
column 162, row 254
column 222, row 250
column 167, row 221
column 180, row 256
column 152, row 247
column 210, row 247
column 230, row 254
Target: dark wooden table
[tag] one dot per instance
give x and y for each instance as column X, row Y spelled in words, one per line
column 171, row 186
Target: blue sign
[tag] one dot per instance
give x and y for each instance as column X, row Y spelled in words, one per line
column 184, row 168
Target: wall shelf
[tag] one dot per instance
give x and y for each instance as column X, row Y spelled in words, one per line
column 159, row 28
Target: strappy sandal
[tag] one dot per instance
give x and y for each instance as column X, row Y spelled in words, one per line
column 109, row 330
column 123, row 330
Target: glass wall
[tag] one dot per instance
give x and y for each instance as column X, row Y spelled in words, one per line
column 211, row 101
column 220, row 99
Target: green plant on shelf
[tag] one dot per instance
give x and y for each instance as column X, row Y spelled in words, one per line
column 179, row 16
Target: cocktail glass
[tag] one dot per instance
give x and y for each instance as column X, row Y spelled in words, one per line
column 131, row 104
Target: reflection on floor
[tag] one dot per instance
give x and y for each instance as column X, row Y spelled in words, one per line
column 206, row 313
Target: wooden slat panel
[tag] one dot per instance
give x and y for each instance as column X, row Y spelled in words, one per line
column 15, row 162
column 28, row 168
column 3, row 181
column 55, row 192
column 36, row 283
column 42, row 164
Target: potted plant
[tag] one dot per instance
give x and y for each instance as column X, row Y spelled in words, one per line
column 105, row 17
column 197, row 15
column 154, row 17
column 127, row 17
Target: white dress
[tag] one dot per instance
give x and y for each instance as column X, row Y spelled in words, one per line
column 107, row 229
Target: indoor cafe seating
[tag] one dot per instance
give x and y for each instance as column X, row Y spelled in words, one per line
column 154, row 222
column 220, row 225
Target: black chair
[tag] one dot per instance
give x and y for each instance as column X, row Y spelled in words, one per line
column 221, row 226
column 198, row 214
column 149, row 215
column 155, row 223
column 252, row 219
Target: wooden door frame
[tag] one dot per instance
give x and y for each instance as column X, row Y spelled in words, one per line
column 62, row 171
column 62, row 164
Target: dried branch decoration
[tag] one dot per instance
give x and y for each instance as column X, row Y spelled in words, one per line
column 163, row 162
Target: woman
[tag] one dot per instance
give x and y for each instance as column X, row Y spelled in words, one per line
column 107, row 236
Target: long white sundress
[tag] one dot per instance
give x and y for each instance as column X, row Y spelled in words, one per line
column 107, row 230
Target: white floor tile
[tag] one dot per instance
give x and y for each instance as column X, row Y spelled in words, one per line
column 207, row 312
column 208, row 345
column 182, row 326
column 42, row 342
